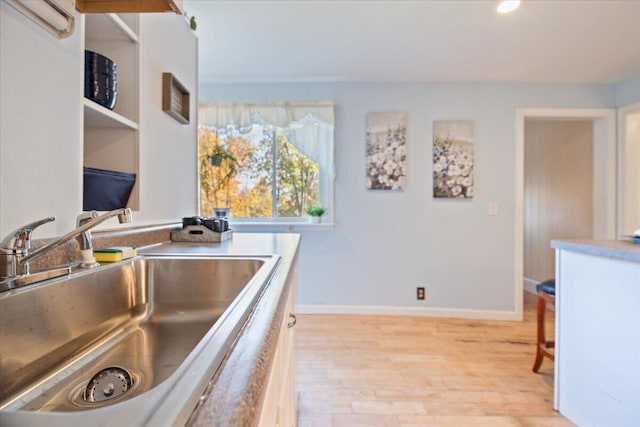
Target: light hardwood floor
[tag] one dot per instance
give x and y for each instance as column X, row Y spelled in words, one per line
column 410, row 371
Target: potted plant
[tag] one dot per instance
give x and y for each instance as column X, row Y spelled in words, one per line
column 220, row 154
column 226, row 167
column 316, row 212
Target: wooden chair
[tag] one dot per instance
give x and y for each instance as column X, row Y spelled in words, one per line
column 546, row 293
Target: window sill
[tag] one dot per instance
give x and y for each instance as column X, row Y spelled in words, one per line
column 279, row 227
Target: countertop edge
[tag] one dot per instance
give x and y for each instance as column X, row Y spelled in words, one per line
column 236, row 393
column 614, row 249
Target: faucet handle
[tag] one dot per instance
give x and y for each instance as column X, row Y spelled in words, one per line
column 85, row 217
column 20, row 239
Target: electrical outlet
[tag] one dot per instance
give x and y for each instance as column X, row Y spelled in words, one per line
column 420, row 293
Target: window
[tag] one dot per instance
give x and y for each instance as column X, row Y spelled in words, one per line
column 268, row 162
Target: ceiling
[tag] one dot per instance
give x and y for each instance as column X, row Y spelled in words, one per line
column 545, row 41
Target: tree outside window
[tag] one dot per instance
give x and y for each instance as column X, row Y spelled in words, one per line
column 236, row 167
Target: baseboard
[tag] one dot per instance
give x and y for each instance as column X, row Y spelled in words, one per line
column 529, row 285
column 379, row 310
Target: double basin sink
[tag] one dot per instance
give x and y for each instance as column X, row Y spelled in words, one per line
column 131, row 343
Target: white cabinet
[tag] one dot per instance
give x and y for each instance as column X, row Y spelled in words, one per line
column 597, row 340
column 111, row 137
column 279, row 407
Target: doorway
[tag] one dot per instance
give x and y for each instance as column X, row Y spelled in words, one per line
column 558, row 191
column 604, row 177
column 628, row 171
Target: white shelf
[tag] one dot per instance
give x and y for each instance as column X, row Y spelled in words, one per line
column 109, row 27
column 97, row 116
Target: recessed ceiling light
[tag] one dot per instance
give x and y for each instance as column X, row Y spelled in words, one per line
column 507, row 6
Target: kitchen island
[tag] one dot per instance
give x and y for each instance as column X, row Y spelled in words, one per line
column 597, row 369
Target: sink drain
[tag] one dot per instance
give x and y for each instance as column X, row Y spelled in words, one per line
column 108, row 384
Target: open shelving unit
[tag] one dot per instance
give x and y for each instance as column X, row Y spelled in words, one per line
column 111, row 137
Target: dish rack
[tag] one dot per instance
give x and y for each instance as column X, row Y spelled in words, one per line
column 203, row 230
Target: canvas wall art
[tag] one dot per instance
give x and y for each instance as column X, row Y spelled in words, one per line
column 386, row 151
column 453, row 159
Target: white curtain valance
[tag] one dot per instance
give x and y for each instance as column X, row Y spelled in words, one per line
column 280, row 114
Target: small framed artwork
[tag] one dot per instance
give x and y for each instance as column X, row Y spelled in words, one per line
column 386, row 151
column 175, row 98
column 453, row 159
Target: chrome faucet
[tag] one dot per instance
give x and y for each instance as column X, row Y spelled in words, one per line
column 15, row 252
column 16, row 246
column 85, row 222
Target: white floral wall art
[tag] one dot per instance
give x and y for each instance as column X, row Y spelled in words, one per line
column 386, row 151
column 453, row 159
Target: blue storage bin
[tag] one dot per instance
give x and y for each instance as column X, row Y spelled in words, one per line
column 105, row 190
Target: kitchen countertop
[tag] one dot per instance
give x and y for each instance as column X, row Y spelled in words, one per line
column 236, row 393
column 616, row 249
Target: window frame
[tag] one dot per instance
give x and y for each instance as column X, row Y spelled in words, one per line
column 278, row 223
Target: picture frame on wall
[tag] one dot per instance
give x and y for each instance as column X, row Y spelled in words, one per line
column 386, row 151
column 175, row 99
column 453, row 158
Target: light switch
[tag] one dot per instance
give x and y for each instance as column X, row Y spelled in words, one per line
column 493, row 209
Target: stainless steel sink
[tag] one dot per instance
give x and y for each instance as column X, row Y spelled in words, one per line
column 127, row 343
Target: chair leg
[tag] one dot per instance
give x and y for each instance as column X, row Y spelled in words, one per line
column 538, row 362
column 541, row 339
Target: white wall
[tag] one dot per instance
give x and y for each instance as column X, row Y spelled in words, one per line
column 628, row 91
column 40, row 125
column 168, row 149
column 387, row 243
